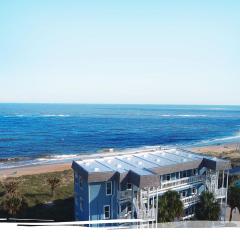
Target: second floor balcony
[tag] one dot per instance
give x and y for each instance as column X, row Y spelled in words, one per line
column 125, row 195
column 182, row 181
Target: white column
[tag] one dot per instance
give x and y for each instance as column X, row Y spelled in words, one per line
column 217, row 179
column 226, row 196
column 222, row 187
column 157, row 208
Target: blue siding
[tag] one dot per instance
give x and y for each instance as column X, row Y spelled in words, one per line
column 98, row 199
column 81, row 193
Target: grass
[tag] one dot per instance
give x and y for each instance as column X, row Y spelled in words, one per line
column 229, row 154
column 41, row 204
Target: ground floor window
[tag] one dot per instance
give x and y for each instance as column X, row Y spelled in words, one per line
column 107, row 212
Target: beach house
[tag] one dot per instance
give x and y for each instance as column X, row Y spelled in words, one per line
column 127, row 185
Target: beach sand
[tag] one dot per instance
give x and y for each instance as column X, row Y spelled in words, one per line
column 31, row 170
column 217, row 149
column 230, row 151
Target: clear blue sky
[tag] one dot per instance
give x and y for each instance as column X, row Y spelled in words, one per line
column 162, row 52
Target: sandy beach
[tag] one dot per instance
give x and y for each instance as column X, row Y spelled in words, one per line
column 217, row 149
column 16, row 172
column 225, row 150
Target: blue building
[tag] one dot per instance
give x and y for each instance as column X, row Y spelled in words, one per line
column 127, row 185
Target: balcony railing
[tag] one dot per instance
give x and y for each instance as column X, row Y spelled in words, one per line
column 190, row 200
column 221, row 193
column 182, row 181
column 144, row 214
column 127, row 194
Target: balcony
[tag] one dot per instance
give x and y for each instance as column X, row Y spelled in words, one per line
column 125, row 195
column 182, row 181
column 190, row 200
column 220, row 193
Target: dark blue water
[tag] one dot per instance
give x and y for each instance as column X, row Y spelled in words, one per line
column 56, row 132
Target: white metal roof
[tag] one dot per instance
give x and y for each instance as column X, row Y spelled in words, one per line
column 140, row 162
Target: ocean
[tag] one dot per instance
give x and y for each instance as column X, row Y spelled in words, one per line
column 33, row 134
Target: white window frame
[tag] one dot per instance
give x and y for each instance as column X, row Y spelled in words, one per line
column 194, row 189
column 108, row 194
column 109, row 211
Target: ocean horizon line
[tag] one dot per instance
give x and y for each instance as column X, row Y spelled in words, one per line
column 134, row 104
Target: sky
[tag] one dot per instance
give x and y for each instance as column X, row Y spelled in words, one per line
column 146, row 52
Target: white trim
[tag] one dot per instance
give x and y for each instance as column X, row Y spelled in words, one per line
column 104, row 212
column 108, row 194
column 89, row 202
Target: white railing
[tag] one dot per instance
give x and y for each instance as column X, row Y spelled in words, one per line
column 145, row 214
column 182, row 181
column 220, row 193
column 190, row 200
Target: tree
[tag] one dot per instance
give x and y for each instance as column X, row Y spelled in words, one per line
column 12, row 204
column 53, row 182
column 11, row 187
column 208, row 208
column 170, row 207
column 12, row 201
column 233, row 199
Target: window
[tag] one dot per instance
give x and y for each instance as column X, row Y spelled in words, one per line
column 194, row 171
column 183, row 174
column 108, row 188
column 168, row 177
column 194, row 190
column 189, row 173
column 81, row 204
column 173, row 176
column 184, row 193
column 106, row 212
column 129, row 186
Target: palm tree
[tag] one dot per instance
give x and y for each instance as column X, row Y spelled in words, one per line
column 170, row 207
column 12, row 204
column 11, row 187
column 208, row 208
column 53, row 182
column 233, row 199
column 12, row 201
